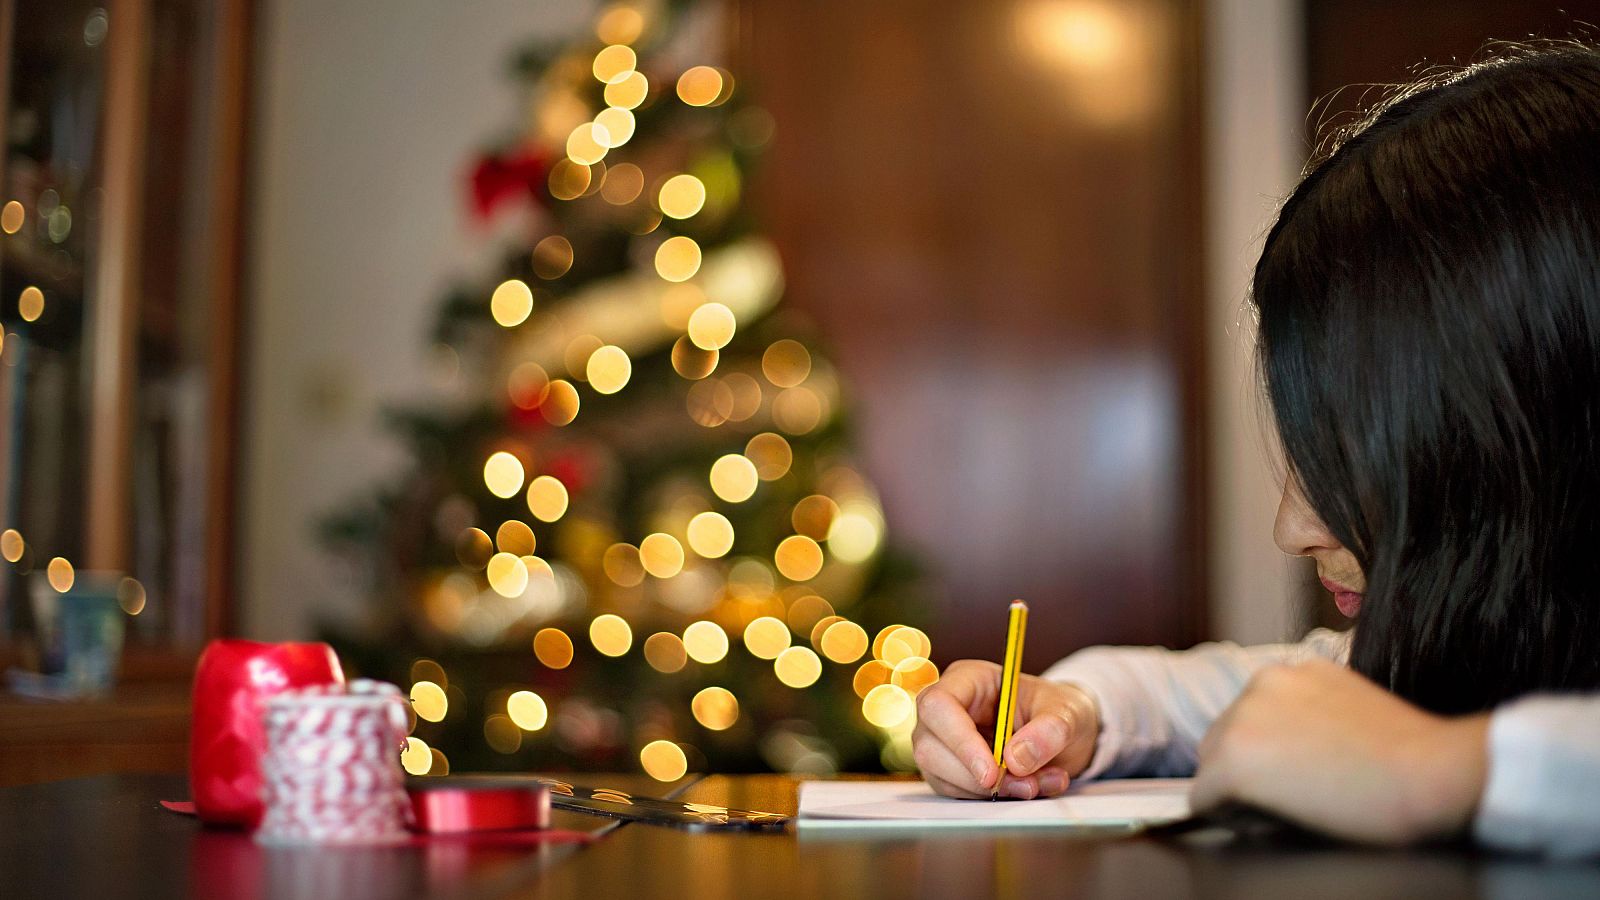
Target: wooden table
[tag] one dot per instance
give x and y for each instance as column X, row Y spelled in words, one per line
column 107, row 837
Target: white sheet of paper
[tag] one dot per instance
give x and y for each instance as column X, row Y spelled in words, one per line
column 856, row 804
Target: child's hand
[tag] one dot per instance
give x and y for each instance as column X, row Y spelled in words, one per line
column 1322, row 745
column 1054, row 740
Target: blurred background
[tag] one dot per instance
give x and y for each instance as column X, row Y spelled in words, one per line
column 653, row 384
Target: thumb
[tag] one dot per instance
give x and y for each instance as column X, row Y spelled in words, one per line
column 1050, row 728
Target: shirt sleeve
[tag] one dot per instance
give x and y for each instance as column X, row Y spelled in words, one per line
column 1543, row 791
column 1156, row 704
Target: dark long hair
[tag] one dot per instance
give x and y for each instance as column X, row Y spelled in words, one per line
column 1429, row 308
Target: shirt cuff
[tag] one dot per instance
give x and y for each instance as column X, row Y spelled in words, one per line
column 1543, row 790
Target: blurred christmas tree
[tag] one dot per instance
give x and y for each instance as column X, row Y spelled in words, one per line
column 642, row 542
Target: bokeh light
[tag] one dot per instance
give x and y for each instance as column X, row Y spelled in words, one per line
column 130, row 595
column 705, row 642
column 733, row 478
column 60, row 575
column 547, row 498
column 663, row 761
column 501, row 734
column 12, row 545
column 692, row 362
column 913, row 674
column 569, row 180
column 700, row 86
column 872, row 673
column 712, row 326
column 902, row 642
column 628, row 92
column 677, row 259
column 560, row 404
column 553, row 648
column 844, row 642
column 507, row 576
column 798, row 558
column 681, row 196
column 854, row 535
column 766, row 637
column 429, row 701
column 416, row 758
column 797, row 410
column 620, row 23
column 623, row 184
column 610, row 634
column 576, row 356
column 609, row 369
column 821, row 627
column 528, row 385
column 887, row 706
column 806, row 611
column 30, row 305
column 771, row 455
column 710, row 535
column 798, row 667
column 515, row 537
column 502, row 474
column 786, row 363
column 813, row 517
column 12, row 216
column 614, row 62
column 617, row 124
column 661, row 555
column 621, row 564
column 709, row 403
column 473, row 548
column 511, row 303
column 716, row 708
column 552, row 256
column 527, row 710
column 746, row 396
column 664, row 652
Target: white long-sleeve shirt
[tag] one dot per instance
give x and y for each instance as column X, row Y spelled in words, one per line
column 1543, row 790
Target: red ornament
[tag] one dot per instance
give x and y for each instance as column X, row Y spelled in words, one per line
column 571, row 469
column 515, row 175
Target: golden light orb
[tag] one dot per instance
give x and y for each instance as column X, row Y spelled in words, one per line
column 664, row 652
column 12, row 545
column 569, row 180
column 501, row 734
column 734, row 478
column 587, row 144
column 661, row 555
column 844, row 642
column 473, row 548
column 623, row 184
column 609, row 369
column 527, row 710
column 511, row 303
column 798, row 558
column 628, row 92
column 700, row 86
column 746, row 396
column 553, row 648
column 515, row 537
column 131, row 595
column 904, row 642
column 416, row 757
column 663, row 761
column 610, row 634
column 709, row 402
column 913, row 674
column 853, row 536
column 710, row 535
column 620, row 23
column 786, row 363
column 30, row 305
column 681, row 196
column 798, row 667
column 576, row 356
column 12, row 216
column 716, row 708
column 528, row 385
column 797, row 410
column 507, row 576
column 712, row 326
column 429, row 701
column 806, row 611
column 705, row 642
column 618, row 125
column 560, row 404
column 547, row 498
column 441, row 763
column 872, row 673
column 771, row 455
column 552, row 257
column 503, row 474
column 821, row 627
column 813, row 516
column 677, row 259
column 693, row 362
column 887, row 706
column 766, row 637
column 621, row 564
column 614, row 62
column 60, row 575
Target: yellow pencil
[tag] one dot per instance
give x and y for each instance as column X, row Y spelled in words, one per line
column 1010, row 673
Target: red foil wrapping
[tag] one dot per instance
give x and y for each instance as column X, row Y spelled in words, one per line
column 456, row 808
column 227, row 739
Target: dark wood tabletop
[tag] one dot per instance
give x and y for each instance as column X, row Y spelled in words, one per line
column 107, row 837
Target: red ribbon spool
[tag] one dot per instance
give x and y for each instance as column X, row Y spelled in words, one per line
column 451, row 807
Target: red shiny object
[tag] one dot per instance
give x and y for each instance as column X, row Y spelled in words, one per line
column 454, row 810
column 227, row 739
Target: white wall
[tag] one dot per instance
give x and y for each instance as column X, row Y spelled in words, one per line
column 367, row 115
column 1256, row 109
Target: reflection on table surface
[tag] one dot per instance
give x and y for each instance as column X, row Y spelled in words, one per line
column 107, row 836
